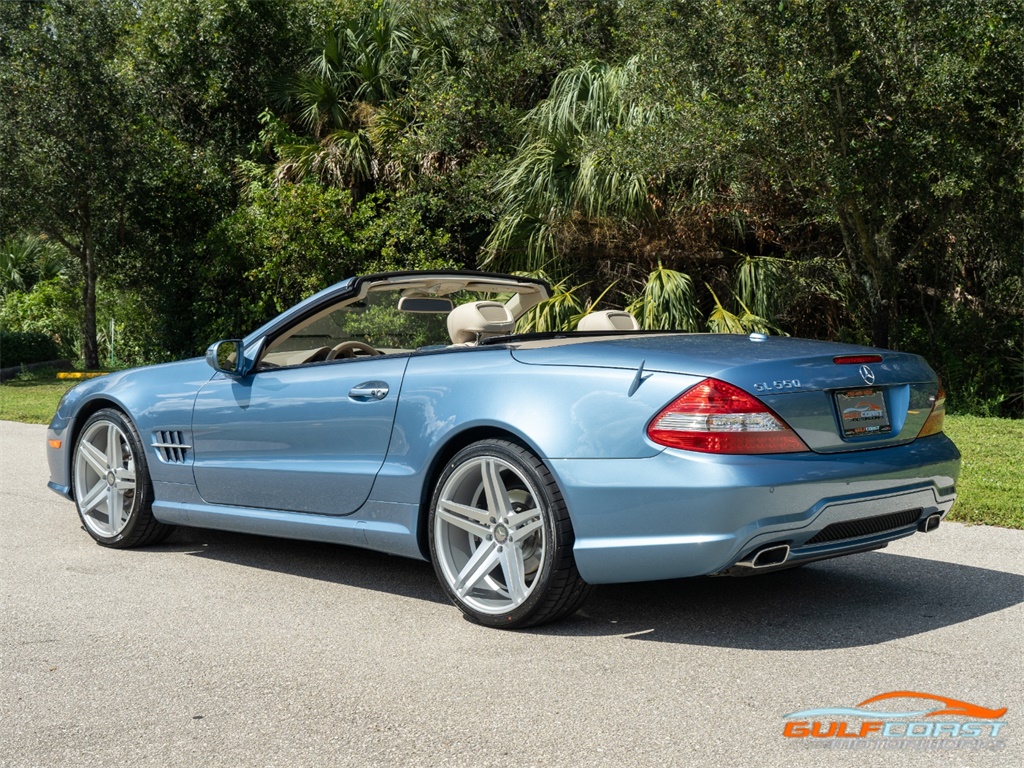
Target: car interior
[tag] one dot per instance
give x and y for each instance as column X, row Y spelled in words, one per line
column 390, row 318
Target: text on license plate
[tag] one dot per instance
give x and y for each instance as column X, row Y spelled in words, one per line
column 862, row 412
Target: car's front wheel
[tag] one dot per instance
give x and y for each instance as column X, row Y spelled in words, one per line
column 113, row 492
column 501, row 540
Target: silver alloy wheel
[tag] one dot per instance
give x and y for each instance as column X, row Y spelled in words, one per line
column 104, row 478
column 490, row 535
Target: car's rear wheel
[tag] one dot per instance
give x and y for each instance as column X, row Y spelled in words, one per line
column 501, row 540
column 113, row 492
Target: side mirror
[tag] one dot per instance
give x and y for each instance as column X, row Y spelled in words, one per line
column 227, row 356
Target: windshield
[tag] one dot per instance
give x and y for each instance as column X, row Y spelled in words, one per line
column 368, row 326
column 374, row 320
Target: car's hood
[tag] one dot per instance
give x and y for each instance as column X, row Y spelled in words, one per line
column 175, row 382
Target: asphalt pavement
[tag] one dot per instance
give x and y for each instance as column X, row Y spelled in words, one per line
column 218, row 649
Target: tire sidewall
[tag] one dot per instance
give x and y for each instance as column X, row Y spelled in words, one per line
column 513, row 454
column 142, row 487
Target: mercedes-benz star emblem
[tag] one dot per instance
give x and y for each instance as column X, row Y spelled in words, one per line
column 867, row 374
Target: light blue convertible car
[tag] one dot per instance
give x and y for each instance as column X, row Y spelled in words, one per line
column 401, row 412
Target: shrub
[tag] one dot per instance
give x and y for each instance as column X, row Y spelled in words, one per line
column 24, row 347
column 51, row 308
column 138, row 330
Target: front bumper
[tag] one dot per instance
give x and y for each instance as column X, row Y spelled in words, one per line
column 58, row 459
column 681, row 514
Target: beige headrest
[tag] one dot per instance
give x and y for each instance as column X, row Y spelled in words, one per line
column 478, row 320
column 609, row 320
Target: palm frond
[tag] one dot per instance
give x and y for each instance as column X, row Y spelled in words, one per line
column 760, row 283
column 29, row 259
column 667, row 302
column 349, row 101
column 343, row 157
column 721, row 320
column 559, row 171
column 558, row 313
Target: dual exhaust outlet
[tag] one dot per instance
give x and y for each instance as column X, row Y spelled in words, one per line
column 777, row 554
column 767, row 557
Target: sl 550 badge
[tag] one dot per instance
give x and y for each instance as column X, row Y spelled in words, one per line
column 769, row 386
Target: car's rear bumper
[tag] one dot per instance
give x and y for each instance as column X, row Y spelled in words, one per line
column 682, row 514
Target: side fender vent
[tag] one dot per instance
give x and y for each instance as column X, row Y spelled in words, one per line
column 171, row 446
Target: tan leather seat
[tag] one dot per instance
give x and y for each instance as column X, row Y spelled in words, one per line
column 479, row 320
column 608, row 320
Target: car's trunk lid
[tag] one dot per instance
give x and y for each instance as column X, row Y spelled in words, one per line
column 832, row 406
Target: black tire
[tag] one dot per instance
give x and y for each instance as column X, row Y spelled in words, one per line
column 497, row 505
column 109, row 436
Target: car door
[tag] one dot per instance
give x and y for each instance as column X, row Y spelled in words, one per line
column 306, row 439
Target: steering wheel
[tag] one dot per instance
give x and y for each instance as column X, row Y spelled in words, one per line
column 352, row 348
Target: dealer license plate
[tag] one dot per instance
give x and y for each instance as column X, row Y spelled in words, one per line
column 862, row 412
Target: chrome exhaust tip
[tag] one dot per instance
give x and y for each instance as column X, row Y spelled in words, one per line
column 929, row 524
column 769, row 556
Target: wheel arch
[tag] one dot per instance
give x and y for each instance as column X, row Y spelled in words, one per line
column 82, row 415
column 451, row 446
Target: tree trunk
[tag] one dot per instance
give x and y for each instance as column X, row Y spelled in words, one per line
column 871, row 261
column 90, row 348
column 881, row 313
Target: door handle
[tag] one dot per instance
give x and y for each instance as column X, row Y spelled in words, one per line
column 369, row 390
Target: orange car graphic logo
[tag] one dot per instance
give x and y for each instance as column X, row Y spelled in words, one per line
column 983, row 721
column 951, row 706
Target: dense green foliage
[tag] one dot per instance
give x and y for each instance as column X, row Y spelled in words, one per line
column 185, row 170
column 51, row 308
column 24, row 347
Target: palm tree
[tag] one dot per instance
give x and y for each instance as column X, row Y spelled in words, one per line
column 563, row 310
column 349, row 106
column 561, row 170
column 27, row 260
column 668, row 302
column 721, row 320
column 761, row 283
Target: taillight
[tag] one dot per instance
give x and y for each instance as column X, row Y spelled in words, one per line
column 933, row 425
column 715, row 417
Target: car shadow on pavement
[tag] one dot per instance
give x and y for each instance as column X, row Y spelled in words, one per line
column 852, row 601
column 335, row 563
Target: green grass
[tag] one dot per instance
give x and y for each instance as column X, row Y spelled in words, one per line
column 32, row 398
column 991, row 488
